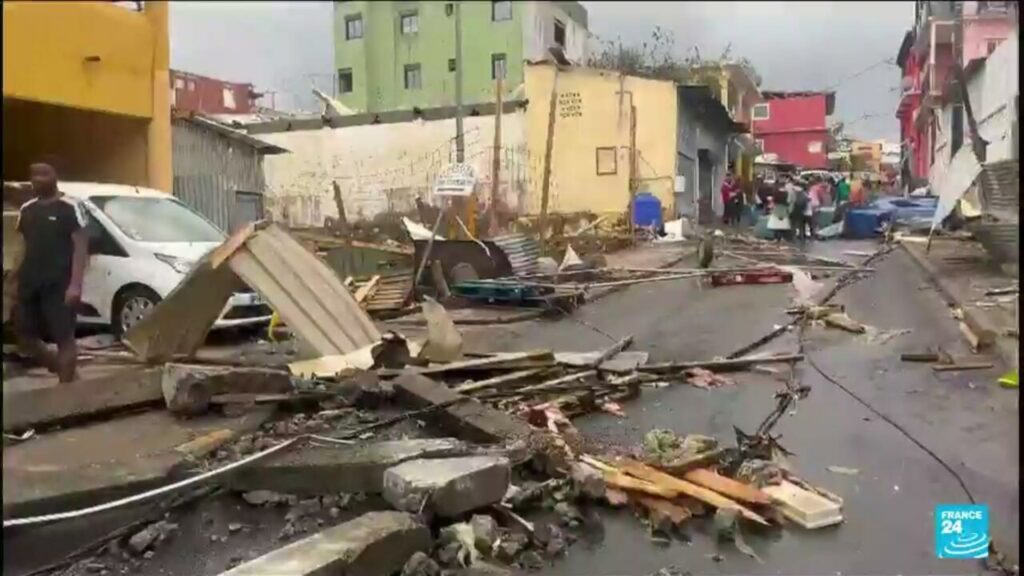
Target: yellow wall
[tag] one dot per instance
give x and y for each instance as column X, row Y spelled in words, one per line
column 92, row 67
column 590, row 114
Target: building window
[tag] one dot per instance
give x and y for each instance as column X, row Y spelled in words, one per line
column 759, row 112
column 449, row 8
column 228, row 97
column 354, row 27
column 814, row 147
column 413, row 81
column 179, row 84
column 345, row 81
column 560, row 33
column 191, row 85
column 497, row 66
column 451, row 64
column 760, row 145
column 501, row 11
column 956, row 129
column 607, row 161
column 410, row 23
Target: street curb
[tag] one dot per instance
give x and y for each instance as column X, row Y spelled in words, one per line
column 510, row 319
column 1007, row 351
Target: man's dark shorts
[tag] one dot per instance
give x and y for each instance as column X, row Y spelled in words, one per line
column 42, row 313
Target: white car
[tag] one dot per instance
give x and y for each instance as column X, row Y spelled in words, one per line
column 142, row 243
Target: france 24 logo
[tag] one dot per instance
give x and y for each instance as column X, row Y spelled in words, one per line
column 961, row 531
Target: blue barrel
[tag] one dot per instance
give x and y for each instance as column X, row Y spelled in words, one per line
column 647, row 210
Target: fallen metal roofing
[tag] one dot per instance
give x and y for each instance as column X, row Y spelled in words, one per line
column 307, row 295
column 522, row 252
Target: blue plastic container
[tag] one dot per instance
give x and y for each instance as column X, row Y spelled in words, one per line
column 647, row 210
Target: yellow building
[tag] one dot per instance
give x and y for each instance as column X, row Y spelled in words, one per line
column 591, row 151
column 867, row 155
column 88, row 83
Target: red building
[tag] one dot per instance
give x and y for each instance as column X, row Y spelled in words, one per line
column 792, row 126
column 194, row 93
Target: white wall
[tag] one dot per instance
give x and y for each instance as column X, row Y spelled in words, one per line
column 539, row 33
column 384, row 166
column 992, row 91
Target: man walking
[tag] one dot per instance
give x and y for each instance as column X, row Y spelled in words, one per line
column 50, row 277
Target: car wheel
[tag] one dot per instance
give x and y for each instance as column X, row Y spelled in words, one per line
column 131, row 306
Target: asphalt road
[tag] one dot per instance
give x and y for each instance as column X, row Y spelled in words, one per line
column 964, row 417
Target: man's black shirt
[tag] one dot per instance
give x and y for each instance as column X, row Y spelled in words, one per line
column 47, row 227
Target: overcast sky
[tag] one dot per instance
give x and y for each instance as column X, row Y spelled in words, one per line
column 287, row 47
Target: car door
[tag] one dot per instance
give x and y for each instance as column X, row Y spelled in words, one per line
column 101, row 280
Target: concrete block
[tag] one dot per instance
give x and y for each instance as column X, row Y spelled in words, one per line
column 469, row 419
column 188, row 388
column 318, row 470
column 374, row 544
column 451, row 486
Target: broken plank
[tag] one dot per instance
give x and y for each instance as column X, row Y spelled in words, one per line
column 497, row 362
column 468, row 419
column 623, row 481
column 964, row 366
column 669, row 482
column 722, row 365
column 367, row 289
column 804, row 507
column 727, row 486
column 919, row 357
column 497, row 381
column 676, row 513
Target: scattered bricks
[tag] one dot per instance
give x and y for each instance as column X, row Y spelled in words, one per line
column 510, row 545
column 375, row 544
column 188, row 388
column 447, row 487
column 469, row 419
column 317, row 470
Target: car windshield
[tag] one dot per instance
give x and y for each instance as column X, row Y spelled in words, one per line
column 149, row 219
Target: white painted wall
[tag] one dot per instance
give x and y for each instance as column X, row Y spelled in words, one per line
column 384, row 166
column 539, row 33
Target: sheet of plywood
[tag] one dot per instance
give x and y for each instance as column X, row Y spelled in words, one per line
column 179, row 324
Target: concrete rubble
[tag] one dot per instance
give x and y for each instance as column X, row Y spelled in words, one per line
column 447, row 487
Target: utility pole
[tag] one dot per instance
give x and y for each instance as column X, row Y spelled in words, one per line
column 496, row 163
column 460, row 142
column 546, row 182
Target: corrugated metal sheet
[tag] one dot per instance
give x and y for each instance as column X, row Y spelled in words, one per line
column 522, row 252
column 1000, row 190
column 1000, row 239
column 392, row 293
column 210, row 168
column 311, row 300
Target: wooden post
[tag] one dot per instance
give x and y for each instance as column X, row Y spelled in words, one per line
column 546, row 182
column 496, row 165
column 632, row 170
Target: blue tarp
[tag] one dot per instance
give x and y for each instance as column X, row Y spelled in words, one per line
column 867, row 222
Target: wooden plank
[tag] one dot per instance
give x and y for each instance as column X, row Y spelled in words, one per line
column 964, row 366
column 179, row 324
column 499, row 362
column 367, row 289
column 678, row 485
column 676, row 513
column 624, row 482
column 120, row 388
column 227, row 249
column 497, row 380
column 727, row 486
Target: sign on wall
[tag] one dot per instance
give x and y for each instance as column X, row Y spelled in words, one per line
column 456, row 180
column 570, row 105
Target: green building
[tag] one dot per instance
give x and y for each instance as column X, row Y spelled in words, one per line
column 400, row 54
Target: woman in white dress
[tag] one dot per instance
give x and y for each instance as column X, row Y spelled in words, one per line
column 778, row 220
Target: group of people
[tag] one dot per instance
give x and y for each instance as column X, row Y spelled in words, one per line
column 790, row 203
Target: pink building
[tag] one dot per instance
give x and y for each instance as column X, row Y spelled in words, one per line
column 792, row 125
column 200, row 94
column 986, row 24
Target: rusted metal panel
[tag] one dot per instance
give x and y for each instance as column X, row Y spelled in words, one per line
column 522, row 252
column 1000, row 190
column 209, row 169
